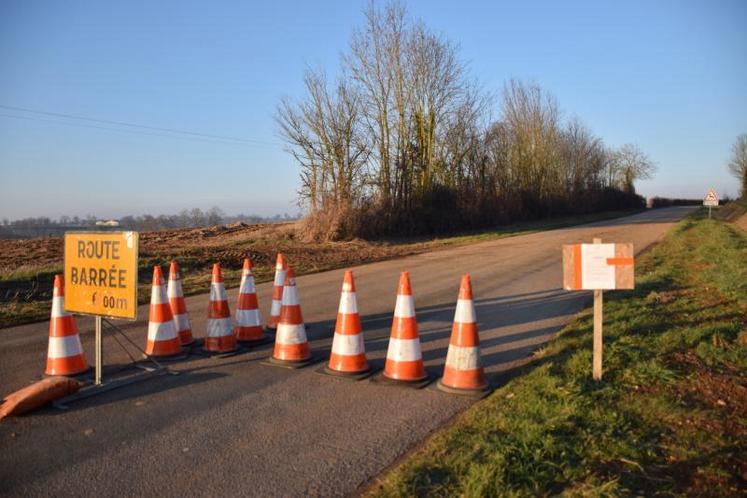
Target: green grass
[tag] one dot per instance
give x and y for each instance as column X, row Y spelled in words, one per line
column 732, row 210
column 667, row 419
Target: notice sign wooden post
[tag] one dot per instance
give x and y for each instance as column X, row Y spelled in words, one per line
column 101, row 279
column 598, row 267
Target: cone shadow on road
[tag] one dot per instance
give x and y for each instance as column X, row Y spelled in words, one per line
column 141, row 389
column 492, row 314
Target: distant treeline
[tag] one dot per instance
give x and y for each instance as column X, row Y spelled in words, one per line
column 187, row 218
column 403, row 141
column 658, row 202
column 194, row 218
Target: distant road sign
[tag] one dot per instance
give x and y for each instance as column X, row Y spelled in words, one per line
column 711, row 198
column 598, row 266
column 101, row 273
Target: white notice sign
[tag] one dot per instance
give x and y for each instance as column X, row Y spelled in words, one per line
column 596, row 272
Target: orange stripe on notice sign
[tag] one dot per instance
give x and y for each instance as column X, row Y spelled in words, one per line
column 619, row 261
column 577, row 266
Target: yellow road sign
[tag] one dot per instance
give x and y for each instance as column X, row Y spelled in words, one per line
column 101, row 273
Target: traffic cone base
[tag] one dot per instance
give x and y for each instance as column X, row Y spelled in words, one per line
column 72, row 365
column 157, row 348
column 354, row 376
column 291, row 343
column 249, row 334
column 65, row 354
column 471, row 393
column 220, row 338
column 383, row 379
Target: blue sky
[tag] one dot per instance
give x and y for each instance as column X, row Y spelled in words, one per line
column 670, row 76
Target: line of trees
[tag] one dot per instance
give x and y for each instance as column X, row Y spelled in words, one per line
column 195, row 218
column 402, row 141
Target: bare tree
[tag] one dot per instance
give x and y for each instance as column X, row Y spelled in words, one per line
column 532, row 119
column 632, row 164
column 324, row 134
column 738, row 161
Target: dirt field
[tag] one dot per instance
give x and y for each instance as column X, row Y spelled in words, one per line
column 27, row 266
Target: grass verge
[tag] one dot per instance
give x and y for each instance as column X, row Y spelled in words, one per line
column 26, row 292
column 669, row 417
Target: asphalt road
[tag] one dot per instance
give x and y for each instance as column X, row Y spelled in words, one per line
column 236, row 427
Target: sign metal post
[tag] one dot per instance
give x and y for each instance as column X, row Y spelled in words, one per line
column 99, row 353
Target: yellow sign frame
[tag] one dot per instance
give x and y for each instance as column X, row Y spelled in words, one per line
column 117, row 296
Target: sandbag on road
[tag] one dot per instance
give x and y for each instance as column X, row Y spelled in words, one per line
column 37, row 395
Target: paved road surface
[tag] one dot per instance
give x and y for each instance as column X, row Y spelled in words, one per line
column 234, row 426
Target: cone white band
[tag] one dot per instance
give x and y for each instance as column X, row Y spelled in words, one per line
column 181, row 322
column 62, row 347
column 465, row 311
column 291, row 334
column 158, row 295
column 348, row 303
column 174, row 289
column 247, row 317
column 405, row 307
column 58, row 308
column 275, row 307
column 219, row 327
column 279, row 278
column 217, row 291
column 404, row 350
column 247, row 286
column 161, row 331
column 351, row 345
column 463, row 357
column 290, row 296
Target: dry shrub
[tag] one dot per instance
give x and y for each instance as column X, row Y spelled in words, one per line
column 331, row 223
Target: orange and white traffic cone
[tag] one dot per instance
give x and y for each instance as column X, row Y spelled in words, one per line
column 291, row 344
column 348, row 355
column 178, row 306
column 248, row 319
column 65, row 353
column 463, row 373
column 281, row 267
column 404, row 359
column 220, row 338
column 162, row 337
